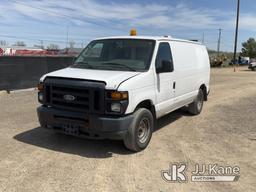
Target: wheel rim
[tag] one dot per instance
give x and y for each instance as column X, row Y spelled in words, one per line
column 200, row 102
column 143, row 130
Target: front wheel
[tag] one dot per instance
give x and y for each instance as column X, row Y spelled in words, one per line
column 254, row 69
column 196, row 107
column 140, row 132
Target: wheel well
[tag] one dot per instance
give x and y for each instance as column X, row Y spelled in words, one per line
column 204, row 89
column 148, row 105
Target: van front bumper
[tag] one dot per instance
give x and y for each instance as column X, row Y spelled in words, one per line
column 84, row 125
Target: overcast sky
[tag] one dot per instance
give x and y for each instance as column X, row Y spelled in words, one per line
column 48, row 20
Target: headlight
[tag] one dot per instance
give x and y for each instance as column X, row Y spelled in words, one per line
column 116, row 107
column 40, row 97
column 116, row 102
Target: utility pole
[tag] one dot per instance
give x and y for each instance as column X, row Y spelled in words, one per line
column 42, row 44
column 219, row 39
column 236, row 35
column 67, row 38
column 203, row 38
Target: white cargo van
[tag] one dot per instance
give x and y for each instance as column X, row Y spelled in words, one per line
column 118, row 87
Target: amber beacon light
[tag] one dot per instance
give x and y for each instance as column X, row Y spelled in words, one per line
column 133, row 32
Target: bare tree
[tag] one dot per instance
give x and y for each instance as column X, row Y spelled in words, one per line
column 3, row 43
column 19, row 43
column 53, row 47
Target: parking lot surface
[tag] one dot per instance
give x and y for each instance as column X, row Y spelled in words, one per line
column 34, row 159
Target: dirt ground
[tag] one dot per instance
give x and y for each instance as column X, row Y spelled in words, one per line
column 33, row 159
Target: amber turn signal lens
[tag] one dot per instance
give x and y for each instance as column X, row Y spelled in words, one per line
column 119, row 95
column 40, row 87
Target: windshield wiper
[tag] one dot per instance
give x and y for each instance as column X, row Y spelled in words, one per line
column 82, row 63
column 119, row 64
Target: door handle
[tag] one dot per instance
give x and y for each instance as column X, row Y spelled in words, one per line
column 174, row 85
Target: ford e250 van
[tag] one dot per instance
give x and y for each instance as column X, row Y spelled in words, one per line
column 118, row 86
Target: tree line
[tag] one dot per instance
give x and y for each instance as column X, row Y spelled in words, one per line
column 248, row 47
column 52, row 46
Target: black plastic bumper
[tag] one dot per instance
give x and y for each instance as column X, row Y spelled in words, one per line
column 84, row 125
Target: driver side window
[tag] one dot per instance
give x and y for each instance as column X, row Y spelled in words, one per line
column 163, row 54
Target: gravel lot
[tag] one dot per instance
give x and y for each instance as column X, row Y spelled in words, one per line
column 34, row 159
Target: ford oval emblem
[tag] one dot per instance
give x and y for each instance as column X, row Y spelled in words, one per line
column 69, row 97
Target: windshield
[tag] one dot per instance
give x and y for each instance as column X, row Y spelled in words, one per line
column 116, row 54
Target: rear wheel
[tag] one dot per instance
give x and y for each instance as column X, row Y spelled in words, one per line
column 196, row 107
column 140, row 132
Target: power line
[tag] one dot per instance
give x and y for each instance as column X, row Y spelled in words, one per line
column 66, row 16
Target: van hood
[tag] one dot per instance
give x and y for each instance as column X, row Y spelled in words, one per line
column 112, row 79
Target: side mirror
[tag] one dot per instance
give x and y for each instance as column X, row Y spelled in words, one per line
column 166, row 66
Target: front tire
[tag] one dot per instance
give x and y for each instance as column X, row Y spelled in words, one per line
column 140, row 132
column 196, row 107
column 254, row 69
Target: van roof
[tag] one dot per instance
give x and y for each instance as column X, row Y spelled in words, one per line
column 156, row 38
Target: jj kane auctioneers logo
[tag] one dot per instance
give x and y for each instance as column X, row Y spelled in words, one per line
column 201, row 173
